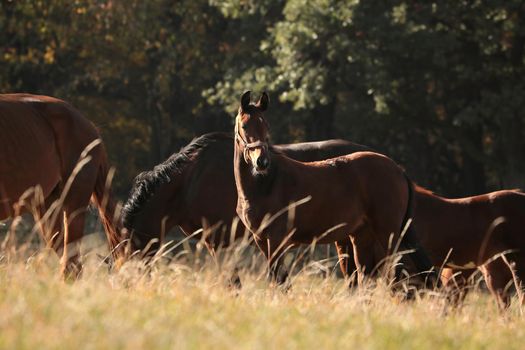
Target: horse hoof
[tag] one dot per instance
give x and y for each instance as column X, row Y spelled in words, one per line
column 71, row 272
column 235, row 283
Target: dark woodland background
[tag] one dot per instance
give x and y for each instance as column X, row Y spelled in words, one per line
column 437, row 86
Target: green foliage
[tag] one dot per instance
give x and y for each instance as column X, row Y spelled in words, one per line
column 136, row 68
column 438, row 86
column 435, row 85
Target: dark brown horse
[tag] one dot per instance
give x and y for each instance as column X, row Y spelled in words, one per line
column 50, row 149
column 364, row 197
column 195, row 189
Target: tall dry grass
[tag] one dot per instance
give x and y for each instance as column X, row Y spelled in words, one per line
column 181, row 299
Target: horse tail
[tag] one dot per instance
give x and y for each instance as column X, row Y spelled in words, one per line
column 103, row 200
column 411, row 242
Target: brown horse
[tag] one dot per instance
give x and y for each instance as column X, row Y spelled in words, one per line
column 364, row 196
column 47, row 145
column 195, row 189
column 486, row 232
column 200, row 190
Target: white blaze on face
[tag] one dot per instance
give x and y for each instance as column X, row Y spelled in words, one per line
column 254, row 155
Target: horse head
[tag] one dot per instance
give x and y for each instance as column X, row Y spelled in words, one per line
column 252, row 132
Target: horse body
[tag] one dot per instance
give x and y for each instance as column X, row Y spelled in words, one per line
column 349, row 192
column 356, row 183
column 471, row 232
column 366, row 195
column 42, row 139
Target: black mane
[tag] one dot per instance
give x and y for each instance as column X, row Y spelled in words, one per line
column 147, row 182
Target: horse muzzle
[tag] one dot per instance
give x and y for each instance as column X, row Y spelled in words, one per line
column 256, row 154
column 262, row 163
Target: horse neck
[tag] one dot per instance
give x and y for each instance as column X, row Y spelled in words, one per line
column 164, row 209
column 243, row 179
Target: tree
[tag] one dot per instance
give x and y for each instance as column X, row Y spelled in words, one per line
column 423, row 82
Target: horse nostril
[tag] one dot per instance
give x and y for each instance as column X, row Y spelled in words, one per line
column 262, row 162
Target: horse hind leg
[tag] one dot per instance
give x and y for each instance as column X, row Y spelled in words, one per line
column 49, row 220
column 75, row 207
column 415, row 265
column 364, row 253
column 52, row 221
column 498, row 278
column 71, row 265
column 518, row 275
column 234, row 281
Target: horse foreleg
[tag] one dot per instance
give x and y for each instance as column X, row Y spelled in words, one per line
column 455, row 284
column 345, row 254
column 234, row 281
column 273, row 251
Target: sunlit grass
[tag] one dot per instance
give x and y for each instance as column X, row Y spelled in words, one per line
column 185, row 302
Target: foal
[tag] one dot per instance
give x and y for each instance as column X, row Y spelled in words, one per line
column 364, row 196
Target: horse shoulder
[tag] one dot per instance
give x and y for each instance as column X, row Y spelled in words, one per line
column 248, row 214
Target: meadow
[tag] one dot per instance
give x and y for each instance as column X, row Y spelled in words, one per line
column 181, row 300
column 437, row 86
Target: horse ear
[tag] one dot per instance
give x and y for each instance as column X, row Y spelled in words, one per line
column 245, row 100
column 264, row 101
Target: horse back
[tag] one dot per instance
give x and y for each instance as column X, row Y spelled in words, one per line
column 458, row 228
column 71, row 130
column 314, row 151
